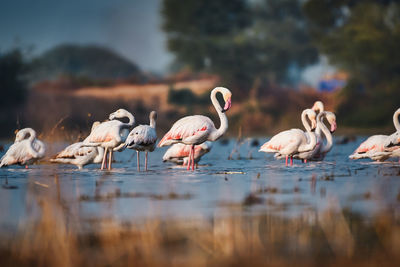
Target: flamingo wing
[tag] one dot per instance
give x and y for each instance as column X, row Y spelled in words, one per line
column 69, row 151
column 105, row 132
column 176, row 151
column 142, row 135
column 286, row 142
column 192, row 129
column 374, row 143
column 18, row 153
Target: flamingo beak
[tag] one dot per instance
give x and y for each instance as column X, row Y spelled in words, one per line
column 333, row 127
column 111, row 117
column 313, row 125
column 227, row 106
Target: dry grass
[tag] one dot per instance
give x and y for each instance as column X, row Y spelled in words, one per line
column 61, row 237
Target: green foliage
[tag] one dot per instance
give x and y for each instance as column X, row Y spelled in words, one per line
column 363, row 38
column 92, row 62
column 238, row 40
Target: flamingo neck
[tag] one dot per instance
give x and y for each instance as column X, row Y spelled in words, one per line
column 152, row 121
column 31, row 139
column 322, row 127
column 396, row 120
column 222, row 117
column 305, row 122
column 130, row 117
column 313, row 137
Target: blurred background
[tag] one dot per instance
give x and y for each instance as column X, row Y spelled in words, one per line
column 64, row 65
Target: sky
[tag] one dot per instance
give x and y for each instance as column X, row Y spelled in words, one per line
column 131, row 28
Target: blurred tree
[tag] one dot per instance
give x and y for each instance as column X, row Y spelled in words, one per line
column 13, row 87
column 243, row 41
column 363, row 38
column 12, row 83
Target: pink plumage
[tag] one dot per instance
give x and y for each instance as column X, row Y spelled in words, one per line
column 194, row 130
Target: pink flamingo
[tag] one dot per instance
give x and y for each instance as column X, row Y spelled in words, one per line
column 111, row 135
column 24, row 151
column 194, row 130
column 179, row 153
column 294, row 141
column 143, row 138
column 377, row 147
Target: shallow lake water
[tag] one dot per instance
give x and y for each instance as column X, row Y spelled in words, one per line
column 247, row 209
column 250, row 178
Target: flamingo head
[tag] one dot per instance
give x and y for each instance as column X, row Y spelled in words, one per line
column 227, row 95
column 118, row 114
column 318, row 106
column 331, row 117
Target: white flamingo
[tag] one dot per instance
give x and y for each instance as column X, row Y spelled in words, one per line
column 194, row 130
column 377, row 147
column 179, row 153
column 321, row 148
column 111, row 135
column 79, row 154
column 322, row 131
column 294, row 141
column 24, row 151
column 143, row 138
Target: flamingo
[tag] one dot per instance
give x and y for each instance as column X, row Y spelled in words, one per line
column 111, row 135
column 291, row 142
column 323, row 148
column 377, row 147
column 79, row 154
column 24, row 151
column 143, row 138
column 194, row 130
column 179, row 153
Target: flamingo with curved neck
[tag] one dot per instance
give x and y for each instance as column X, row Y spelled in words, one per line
column 294, row 141
column 196, row 129
column 24, row 151
column 111, row 135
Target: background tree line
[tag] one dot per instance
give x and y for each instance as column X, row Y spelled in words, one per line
column 256, row 43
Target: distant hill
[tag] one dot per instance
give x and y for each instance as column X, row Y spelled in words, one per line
column 90, row 61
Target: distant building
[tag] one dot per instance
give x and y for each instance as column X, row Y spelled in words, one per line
column 333, row 82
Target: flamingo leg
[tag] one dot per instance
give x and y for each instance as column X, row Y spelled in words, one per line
column 104, row 159
column 291, row 161
column 286, row 160
column 190, row 158
column 26, row 167
column 110, row 159
column 305, row 160
column 138, row 160
column 145, row 161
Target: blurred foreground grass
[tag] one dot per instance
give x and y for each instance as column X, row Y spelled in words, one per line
column 59, row 236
